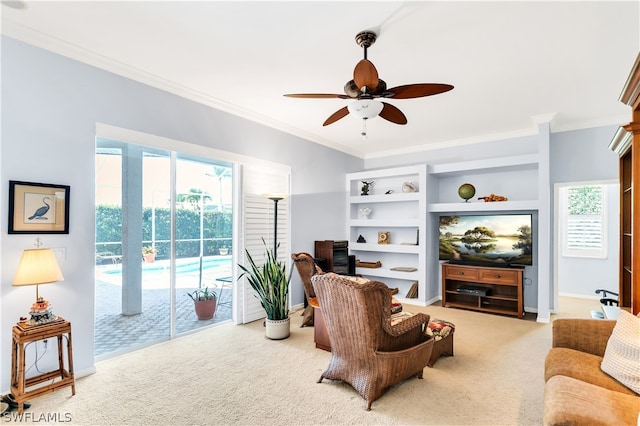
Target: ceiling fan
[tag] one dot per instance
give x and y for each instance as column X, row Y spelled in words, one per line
column 366, row 87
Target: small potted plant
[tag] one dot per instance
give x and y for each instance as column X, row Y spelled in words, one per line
column 149, row 254
column 204, row 302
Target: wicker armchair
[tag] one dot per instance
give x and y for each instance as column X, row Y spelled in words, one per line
column 366, row 350
column 307, row 268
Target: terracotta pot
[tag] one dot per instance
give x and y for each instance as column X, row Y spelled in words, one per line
column 205, row 309
column 149, row 258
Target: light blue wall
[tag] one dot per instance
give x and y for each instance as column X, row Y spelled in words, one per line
column 50, row 107
column 581, row 156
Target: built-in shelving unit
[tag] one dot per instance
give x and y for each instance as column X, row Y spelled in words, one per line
column 516, row 177
column 401, row 214
column 413, row 217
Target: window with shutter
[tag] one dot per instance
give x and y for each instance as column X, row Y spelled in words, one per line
column 583, row 220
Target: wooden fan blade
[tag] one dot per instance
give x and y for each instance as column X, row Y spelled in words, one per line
column 392, row 114
column 316, row 96
column 342, row 112
column 365, row 74
column 419, row 90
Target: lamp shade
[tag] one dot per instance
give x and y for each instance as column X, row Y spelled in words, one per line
column 37, row 266
column 275, row 195
column 365, row 108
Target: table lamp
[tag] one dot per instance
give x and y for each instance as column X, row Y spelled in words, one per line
column 38, row 266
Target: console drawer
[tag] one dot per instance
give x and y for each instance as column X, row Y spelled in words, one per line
column 461, row 273
column 499, row 276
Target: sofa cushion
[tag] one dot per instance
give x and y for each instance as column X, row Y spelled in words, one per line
column 622, row 357
column 568, row 401
column 581, row 366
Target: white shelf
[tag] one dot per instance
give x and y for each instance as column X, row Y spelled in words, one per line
column 388, row 273
column 387, row 248
column 403, row 214
column 491, row 165
column 482, row 206
column 385, row 198
column 382, row 223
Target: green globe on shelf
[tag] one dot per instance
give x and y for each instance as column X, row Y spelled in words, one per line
column 466, row 191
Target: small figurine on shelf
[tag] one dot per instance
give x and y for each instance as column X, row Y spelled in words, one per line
column 365, row 212
column 365, row 187
column 361, row 239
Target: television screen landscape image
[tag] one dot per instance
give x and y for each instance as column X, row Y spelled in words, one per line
column 499, row 240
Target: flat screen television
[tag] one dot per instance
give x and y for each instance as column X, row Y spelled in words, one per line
column 487, row 239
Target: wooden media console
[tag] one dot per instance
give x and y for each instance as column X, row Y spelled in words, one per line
column 480, row 288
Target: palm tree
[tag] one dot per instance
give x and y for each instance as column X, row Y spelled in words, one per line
column 195, row 198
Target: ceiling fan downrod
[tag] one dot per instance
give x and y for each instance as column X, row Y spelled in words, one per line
column 365, row 39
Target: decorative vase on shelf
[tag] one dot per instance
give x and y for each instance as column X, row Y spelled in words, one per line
column 466, row 191
column 408, row 187
column 365, row 212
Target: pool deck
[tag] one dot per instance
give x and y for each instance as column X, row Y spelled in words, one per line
column 116, row 333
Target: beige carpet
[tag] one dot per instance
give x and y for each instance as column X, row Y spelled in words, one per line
column 232, row 374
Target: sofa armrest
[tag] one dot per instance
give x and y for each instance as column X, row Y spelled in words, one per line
column 585, row 335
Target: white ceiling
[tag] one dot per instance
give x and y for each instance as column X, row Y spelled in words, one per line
column 512, row 63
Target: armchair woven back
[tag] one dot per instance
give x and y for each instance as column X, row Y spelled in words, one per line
column 366, row 350
column 307, row 268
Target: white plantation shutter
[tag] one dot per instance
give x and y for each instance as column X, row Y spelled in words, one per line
column 583, row 221
column 258, row 224
column 584, row 232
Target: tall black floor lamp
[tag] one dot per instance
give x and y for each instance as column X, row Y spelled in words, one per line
column 275, row 199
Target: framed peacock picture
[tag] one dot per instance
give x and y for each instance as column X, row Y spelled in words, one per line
column 38, row 208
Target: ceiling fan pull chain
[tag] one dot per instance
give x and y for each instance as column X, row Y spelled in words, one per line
column 364, row 128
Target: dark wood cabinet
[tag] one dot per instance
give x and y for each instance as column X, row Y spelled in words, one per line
column 335, row 255
column 626, row 143
column 485, row 289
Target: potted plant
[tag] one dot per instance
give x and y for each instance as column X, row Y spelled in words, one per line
column 149, row 254
column 204, row 303
column 271, row 284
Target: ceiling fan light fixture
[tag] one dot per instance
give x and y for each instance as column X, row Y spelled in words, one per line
column 365, row 108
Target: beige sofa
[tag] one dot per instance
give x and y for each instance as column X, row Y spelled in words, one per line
column 577, row 391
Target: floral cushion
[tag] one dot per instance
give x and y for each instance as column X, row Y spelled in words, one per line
column 400, row 316
column 439, row 329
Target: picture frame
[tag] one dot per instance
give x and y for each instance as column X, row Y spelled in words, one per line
column 38, row 208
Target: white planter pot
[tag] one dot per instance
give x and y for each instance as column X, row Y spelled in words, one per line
column 277, row 329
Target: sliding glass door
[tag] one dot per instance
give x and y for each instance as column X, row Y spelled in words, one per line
column 163, row 224
column 203, row 237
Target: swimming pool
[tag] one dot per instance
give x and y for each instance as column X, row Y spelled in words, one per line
column 183, row 266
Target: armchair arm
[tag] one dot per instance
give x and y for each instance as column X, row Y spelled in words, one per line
column 585, row 335
column 405, row 334
column 407, row 324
